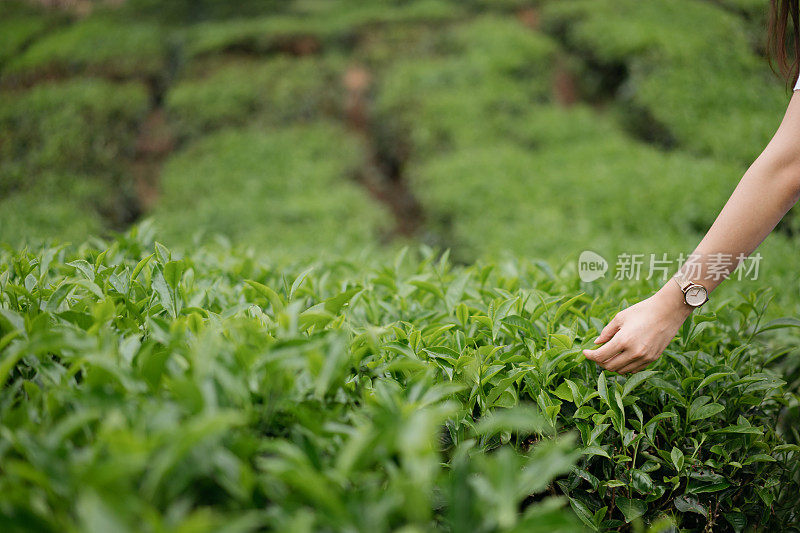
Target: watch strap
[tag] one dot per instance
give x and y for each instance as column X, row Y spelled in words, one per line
column 682, row 281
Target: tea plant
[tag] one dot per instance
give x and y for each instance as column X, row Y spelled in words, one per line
column 658, row 49
column 291, row 191
column 148, row 390
column 333, row 24
column 276, row 92
column 97, row 45
column 16, row 33
column 62, row 206
column 64, row 148
column 143, row 390
column 80, row 126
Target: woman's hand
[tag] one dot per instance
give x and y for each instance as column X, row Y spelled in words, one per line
column 637, row 335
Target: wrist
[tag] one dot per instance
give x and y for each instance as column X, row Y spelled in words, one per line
column 671, row 296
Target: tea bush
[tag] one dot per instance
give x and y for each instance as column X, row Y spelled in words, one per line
column 471, row 90
column 79, row 126
column 259, row 35
column 147, row 390
column 380, row 48
column 631, row 190
column 273, row 92
column 334, row 24
column 710, row 98
column 60, row 207
column 357, row 15
column 287, row 190
column 177, row 418
column 189, row 11
column 18, row 32
column 750, row 8
column 97, row 45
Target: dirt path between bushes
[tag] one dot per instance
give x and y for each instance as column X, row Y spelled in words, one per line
column 383, row 172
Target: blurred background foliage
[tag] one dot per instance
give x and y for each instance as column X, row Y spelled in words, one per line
column 315, row 127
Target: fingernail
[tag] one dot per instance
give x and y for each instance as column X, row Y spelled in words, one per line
column 597, row 340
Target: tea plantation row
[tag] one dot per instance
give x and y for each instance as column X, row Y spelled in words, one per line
column 144, row 390
column 461, row 100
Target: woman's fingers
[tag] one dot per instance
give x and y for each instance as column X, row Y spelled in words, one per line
column 625, row 359
column 606, row 351
column 633, row 367
column 610, row 329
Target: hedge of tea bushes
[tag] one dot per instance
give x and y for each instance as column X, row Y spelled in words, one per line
column 497, row 167
column 179, row 12
column 481, row 77
column 16, row 33
column 557, row 200
column 16, row 36
column 271, row 92
column 66, row 143
column 754, row 9
column 194, row 413
column 332, row 24
column 358, row 15
column 287, row 190
column 713, row 99
column 461, row 101
column 63, row 206
column 82, row 125
column 148, row 390
column 96, row 45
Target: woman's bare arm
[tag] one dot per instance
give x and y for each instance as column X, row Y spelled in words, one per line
column 636, row 336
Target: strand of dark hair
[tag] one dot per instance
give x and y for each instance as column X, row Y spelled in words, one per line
column 783, row 40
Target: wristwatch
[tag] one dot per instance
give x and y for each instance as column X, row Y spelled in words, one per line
column 694, row 294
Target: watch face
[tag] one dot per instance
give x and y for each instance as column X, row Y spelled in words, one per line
column 696, row 295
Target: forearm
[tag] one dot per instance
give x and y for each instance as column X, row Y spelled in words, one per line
column 761, row 199
column 769, row 188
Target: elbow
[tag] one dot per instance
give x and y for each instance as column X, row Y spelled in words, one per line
column 782, row 173
column 788, row 179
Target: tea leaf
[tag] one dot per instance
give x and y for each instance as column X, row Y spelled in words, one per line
column 271, row 296
column 635, row 380
column 677, row 459
column 705, row 411
column 631, row 508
